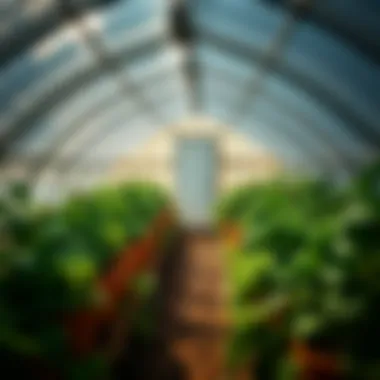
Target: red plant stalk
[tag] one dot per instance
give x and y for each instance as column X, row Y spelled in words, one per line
column 82, row 327
column 314, row 363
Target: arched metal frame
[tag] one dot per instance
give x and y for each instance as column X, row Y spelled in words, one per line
column 328, row 138
column 356, row 23
column 346, row 112
column 108, row 63
column 217, row 24
column 26, row 26
column 50, row 157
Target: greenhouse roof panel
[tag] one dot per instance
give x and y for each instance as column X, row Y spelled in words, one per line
column 312, row 81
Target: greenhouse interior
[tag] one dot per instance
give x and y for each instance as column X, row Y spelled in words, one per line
column 190, row 189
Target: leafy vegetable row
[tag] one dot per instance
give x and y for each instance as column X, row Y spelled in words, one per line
column 51, row 259
column 306, row 273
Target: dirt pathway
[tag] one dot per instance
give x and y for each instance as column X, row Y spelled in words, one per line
column 200, row 310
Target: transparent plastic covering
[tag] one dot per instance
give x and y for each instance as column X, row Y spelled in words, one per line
column 81, row 82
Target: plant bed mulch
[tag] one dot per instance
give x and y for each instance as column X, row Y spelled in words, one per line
column 26, row 368
column 314, row 364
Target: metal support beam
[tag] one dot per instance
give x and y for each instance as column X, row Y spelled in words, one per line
column 343, row 156
column 27, row 121
column 126, row 86
column 265, row 63
column 41, row 163
column 185, row 34
column 67, row 165
column 20, row 37
column 346, row 113
column 357, row 32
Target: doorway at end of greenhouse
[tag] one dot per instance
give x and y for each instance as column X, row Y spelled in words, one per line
column 196, row 180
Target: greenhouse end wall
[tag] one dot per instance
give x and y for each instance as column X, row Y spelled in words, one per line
column 240, row 161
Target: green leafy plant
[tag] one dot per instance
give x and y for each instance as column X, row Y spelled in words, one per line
column 52, row 258
column 306, row 270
